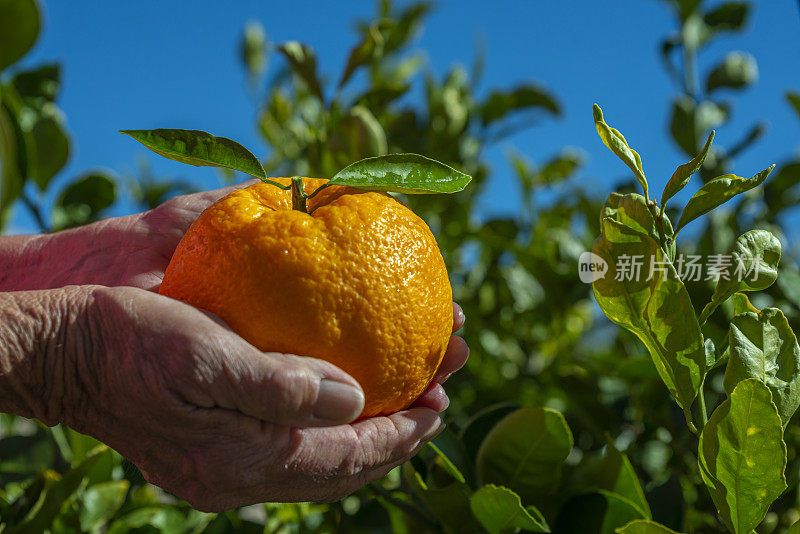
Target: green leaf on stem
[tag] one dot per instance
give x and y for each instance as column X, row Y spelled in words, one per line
column 642, row 292
column 754, row 258
column 737, row 70
column 717, row 192
column 524, row 452
column 616, row 142
column 19, row 28
column 632, row 211
column 499, row 510
column 41, row 83
column 304, row 63
column 198, row 148
column 742, row 456
column 682, row 174
column 11, row 180
column 763, row 346
column 644, row 526
column 402, row 173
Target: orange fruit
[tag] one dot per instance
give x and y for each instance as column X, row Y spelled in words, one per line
column 358, row 281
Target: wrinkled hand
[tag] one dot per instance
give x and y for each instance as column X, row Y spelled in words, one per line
column 208, row 417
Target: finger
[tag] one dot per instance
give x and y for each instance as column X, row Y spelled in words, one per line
column 288, row 390
column 434, row 398
column 458, row 317
column 454, row 359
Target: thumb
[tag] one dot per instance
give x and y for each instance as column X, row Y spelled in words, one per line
column 289, row 390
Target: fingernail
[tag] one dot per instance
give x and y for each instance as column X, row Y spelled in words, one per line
column 338, row 402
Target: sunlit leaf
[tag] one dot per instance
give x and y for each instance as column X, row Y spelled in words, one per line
column 499, row 510
column 754, row 258
column 402, row 173
column 450, row 504
column 524, row 452
column 682, row 174
column 651, row 301
column 763, row 346
column 632, row 211
column 717, row 192
column 200, row 149
column 616, row 142
column 19, row 28
column 253, row 48
column 742, row 456
column 361, row 54
column 11, row 179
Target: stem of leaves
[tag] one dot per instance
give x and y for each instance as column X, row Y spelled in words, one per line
column 36, row 212
column 298, row 195
column 701, row 398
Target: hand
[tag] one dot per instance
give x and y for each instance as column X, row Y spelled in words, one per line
column 208, row 417
column 122, row 251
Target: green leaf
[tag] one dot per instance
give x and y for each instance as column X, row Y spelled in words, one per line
column 500, row 103
column 644, row 526
column 717, row 192
column 742, row 456
column 659, row 310
column 57, row 490
column 200, row 149
column 741, row 304
column 711, row 353
column 524, row 452
column 51, row 147
column 166, row 520
column 402, row 173
column 615, row 141
column 40, row 84
column 100, row 502
column 737, row 70
column 450, row 505
column 682, row 174
column 690, row 121
column 476, row 429
column 19, row 28
column 304, row 64
column 559, row 168
column 362, row 53
column 763, row 346
column 794, row 100
column 11, row 180
column 601, row 512
column 632, row 211
column 753, row 258
column 22, row 457
column 618, row 476
column 728, row 16
column 499, row 510
column 446, row 464
column 83, row 200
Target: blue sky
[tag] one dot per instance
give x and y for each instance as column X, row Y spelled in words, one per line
column 150, row 64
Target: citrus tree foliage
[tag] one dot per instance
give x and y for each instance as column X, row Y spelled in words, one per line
column 680, row 421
